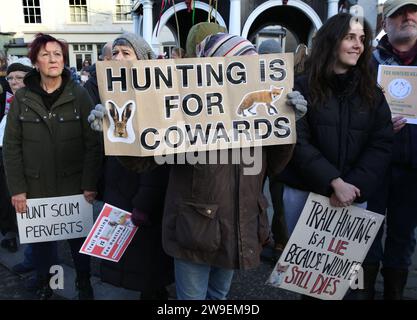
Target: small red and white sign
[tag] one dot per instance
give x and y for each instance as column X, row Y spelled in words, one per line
column 111, row 234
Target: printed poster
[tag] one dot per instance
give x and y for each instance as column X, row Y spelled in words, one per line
column 111, row 234
column 400, row 85
column 53, row 219
column 324, row 254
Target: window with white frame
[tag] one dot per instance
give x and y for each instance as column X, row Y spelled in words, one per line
column 78, row 11
column 123, row 10
column 32, row 11
column 83, row 52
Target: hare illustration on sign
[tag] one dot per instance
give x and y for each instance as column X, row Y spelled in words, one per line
column 121, row 128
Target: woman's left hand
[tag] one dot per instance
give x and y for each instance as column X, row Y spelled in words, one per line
column 90, row 196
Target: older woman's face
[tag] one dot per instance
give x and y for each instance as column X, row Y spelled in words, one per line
column 123, row 53
column 50, row 60
column 15, row 80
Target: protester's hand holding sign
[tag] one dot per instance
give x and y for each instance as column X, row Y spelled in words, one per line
column 398, row 123
column 96, row 117
column 297, row 100
column 344, row 193
column 19, row 202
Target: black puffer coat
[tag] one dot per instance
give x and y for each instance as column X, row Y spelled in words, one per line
column 341, row 138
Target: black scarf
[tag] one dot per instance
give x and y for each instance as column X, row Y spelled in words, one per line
column 33, row 82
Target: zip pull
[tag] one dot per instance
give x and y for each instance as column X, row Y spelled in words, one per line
column 50, row 115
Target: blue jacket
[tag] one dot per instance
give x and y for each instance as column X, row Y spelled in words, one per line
column 405, row 141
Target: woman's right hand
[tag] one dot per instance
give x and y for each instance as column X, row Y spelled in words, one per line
column 345, row 193
column 19, row 202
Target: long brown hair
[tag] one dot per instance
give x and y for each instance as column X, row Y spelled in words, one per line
column 323, row 57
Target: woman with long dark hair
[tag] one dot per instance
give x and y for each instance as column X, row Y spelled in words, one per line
column 344, row 141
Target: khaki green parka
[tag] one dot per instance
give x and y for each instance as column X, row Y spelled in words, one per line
column 51, row 153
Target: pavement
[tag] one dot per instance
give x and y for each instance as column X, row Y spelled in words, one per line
column 246, row 285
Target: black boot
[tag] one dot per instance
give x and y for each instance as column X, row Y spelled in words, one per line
column 44, row 291
column 83, row 285
column 370, row 272
column 394, row 283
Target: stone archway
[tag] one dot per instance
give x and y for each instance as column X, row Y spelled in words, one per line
column 297, row 16
column 169, row 14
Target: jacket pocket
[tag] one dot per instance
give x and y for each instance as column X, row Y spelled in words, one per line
column 32, row 173
column 30, row 126
column 197, row 227
column 33, row 181
column 69, row 126
column 263, row 224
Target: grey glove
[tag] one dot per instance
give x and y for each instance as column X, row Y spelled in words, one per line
column 96, row 117
column 296, row 99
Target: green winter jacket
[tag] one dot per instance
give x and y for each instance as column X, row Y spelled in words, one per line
column 51, row 153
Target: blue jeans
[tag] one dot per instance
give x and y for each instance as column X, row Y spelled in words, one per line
column 28, row 257
column 398, row 195
column 294, row 202
column 196, row 281
column 45, row 255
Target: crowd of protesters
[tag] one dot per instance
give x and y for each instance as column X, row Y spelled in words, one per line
column 199, row 223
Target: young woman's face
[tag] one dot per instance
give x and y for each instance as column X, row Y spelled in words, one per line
column 350, row 49
column 123, row 53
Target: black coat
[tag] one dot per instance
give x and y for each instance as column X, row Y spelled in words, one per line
column 92, row 86
column 341, row 138
column 144, row 265
column 405, row 141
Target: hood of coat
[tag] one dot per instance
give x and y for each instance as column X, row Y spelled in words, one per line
column 33, row 82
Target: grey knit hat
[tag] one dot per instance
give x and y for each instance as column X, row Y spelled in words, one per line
column 269, row 46
column 142, row 49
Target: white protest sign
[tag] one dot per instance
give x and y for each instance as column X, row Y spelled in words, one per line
column 52, row 219
column 326, row 249
column 399, row 84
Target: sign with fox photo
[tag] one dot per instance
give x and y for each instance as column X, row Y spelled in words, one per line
column 159, row 107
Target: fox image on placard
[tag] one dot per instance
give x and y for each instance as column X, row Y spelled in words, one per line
column 121, row 128
column 266, row 97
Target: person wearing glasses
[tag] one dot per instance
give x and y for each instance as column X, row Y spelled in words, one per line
column 15, row 75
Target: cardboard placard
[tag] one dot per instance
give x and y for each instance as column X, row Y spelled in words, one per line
column 159, row 107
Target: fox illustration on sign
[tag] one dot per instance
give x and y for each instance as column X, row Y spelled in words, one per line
column 266, row 97
column 121, row 128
